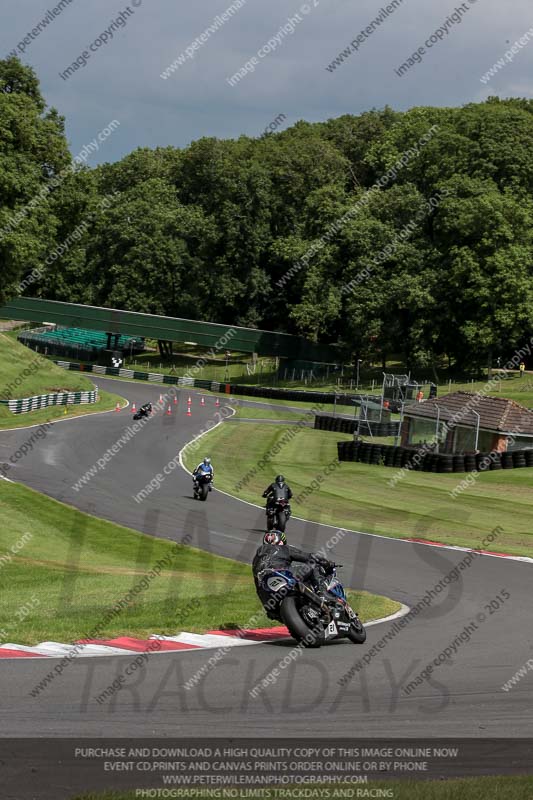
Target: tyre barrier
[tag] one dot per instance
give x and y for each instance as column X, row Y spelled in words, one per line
column 496, row 462
column 507, row 461
column 519, row 459
column 424, row 460
column 326, row 422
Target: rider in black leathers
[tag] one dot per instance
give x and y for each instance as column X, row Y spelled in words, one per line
column 275, row 554
column 278, row 490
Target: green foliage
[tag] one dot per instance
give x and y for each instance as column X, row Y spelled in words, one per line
column 33, row 151
column 215, row 230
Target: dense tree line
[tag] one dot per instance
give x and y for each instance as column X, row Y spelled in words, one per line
column 435, row 260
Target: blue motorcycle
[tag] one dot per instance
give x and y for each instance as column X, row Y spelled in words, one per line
column 313, row 615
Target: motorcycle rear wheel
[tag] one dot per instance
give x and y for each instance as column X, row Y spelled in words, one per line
column 281, row 521
column 309, row 637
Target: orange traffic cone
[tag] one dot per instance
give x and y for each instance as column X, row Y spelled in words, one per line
column 133, row 409
column 175, row 400
column 169, row 411
column 217, row 402
column 189, row 411
column 189, row 401
column 117, row 407
column 160, row 398
column 202, row 402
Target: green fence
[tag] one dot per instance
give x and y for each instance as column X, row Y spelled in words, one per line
column 328, row 398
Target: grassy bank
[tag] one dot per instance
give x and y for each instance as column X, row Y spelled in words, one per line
column 24, row 373
column 62, row 570
column 358, row 496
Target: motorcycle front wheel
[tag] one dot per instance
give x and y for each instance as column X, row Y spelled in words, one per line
column 299, row 630
column 357, row 632
column 202, row 491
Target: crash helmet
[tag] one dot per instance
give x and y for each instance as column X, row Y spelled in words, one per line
column 280, row 480
column 206, row 462
column 274, row 537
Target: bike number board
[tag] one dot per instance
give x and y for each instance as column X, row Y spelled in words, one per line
column 275, row 583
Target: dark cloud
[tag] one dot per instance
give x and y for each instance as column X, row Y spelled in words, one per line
column 121, row 79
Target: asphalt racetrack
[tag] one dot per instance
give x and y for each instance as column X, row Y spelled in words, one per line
column 463, row 696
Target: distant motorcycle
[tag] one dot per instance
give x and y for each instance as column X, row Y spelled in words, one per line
column 144, row 411
column 312, row 617
column 278, row 514
column 202, row 486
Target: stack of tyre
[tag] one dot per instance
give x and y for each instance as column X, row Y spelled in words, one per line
column 324, row 422
column 427, row 461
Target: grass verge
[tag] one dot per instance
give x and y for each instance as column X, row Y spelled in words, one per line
column 359, row 496
column 61, row 570
column 24, row 373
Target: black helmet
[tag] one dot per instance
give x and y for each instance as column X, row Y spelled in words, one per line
column 280, row 479
column 274, row 537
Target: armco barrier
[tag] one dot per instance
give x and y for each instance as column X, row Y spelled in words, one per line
column 425, row 460
column 326, row 398
column 22, row 406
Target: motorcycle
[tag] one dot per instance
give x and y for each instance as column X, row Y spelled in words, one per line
column 202, row 485
column 278, row 515
column 144, row 411
column 312, row 617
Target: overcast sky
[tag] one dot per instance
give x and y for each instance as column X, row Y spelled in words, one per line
column 122, row 78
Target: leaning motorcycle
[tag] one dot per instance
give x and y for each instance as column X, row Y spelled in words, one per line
column 312, row 618
column 144, row 411
column 277, row 515
column 201, row 488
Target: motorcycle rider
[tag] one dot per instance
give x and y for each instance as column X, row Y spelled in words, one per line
column 204, row 468
column 278, row 490
column 145, row 409
column 276, row 554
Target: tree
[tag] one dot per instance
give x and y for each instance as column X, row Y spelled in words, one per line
column 33, row 154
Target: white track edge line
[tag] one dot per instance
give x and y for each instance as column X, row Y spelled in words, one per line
column 525, row 559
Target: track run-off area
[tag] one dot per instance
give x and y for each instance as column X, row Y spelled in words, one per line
column 380, row 689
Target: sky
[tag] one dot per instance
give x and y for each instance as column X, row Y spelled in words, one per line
column 248, row 66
